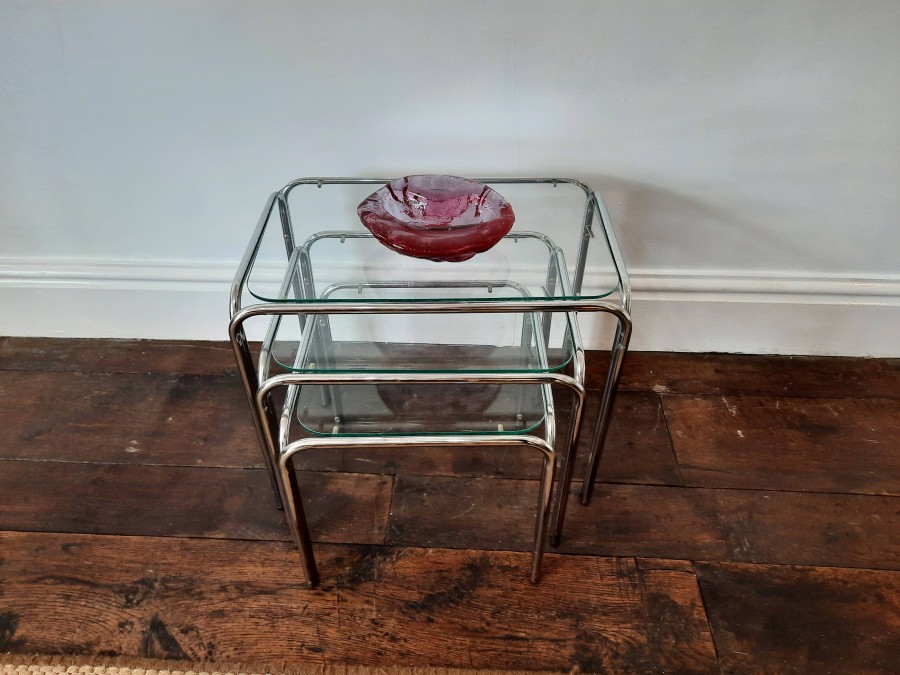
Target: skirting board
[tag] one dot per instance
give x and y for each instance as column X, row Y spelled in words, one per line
column 673, row 310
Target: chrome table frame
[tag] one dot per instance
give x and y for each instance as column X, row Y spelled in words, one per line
column 283, row 448
column 287, row 449
column 279, row 456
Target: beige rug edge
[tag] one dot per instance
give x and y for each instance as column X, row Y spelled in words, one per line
column 11, row 664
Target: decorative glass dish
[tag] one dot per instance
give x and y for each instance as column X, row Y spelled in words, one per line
column 440, row 218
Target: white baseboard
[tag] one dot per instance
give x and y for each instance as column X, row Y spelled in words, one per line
column 756, row 313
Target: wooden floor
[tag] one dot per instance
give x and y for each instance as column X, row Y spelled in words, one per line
column 747, row 520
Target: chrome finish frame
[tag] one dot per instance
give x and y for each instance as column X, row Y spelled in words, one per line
column 283, row 450
column 274, row 433
column 617, row 354
column 294, row 504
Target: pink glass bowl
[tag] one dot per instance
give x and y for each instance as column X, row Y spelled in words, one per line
column 442, row 218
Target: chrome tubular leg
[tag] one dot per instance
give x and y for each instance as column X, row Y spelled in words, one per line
column 550, row 289
column 294, row 505
column 316, row 322
column 529, row 331
column 620, row 346
column 330, row 394
column 567, row 469
column 247, row 370
column 545, row 494
column 287, row 230
column 296, row 518
column 543, row 516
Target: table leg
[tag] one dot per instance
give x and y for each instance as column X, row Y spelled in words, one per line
column 247, row 370
column 543, row 516
column 620, row 347
column 296, row 518
column 567, row 469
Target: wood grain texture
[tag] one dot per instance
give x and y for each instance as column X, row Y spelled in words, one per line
column 638, row 450
column 139, row 522
column 485, row 513
column 205, row 421
column 168, row 501
column 172, row 357
column 182, row 420
column 823, row 445
column 651, row 521
column 376, row 606
column 662, row 372
column 791, row 528
column 803, row 620
column 731, row 374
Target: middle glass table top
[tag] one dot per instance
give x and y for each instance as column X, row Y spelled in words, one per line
column 410, row 343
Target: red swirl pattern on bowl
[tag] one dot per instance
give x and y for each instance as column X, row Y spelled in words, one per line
column 441, row 218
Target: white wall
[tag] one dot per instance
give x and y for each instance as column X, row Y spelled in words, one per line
column 749, row 152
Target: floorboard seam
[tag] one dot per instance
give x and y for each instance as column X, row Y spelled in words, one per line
column 705, row 604
column 736, row 393
column 390, row 513
column 683, row 486
column 665, row 416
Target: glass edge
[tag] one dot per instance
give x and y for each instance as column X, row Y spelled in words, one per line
column 426, row 434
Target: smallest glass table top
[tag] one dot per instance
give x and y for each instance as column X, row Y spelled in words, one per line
column 419, row 409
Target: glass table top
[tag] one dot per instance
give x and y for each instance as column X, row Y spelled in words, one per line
column 352, row 343
column 418, row 409
column 311, row 247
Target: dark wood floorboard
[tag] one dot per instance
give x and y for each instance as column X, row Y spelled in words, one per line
column 171, row 501
column 778, row 443
column 803, row 619
column 186, row 420
column 204, row 421
column 654, row 521
column 166, row 357
column 244, row 601
column 660, row 372
column 745, row 521
column 739, row 374
column 638, row 451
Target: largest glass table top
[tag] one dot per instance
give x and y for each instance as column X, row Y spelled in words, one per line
column 310, row 247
